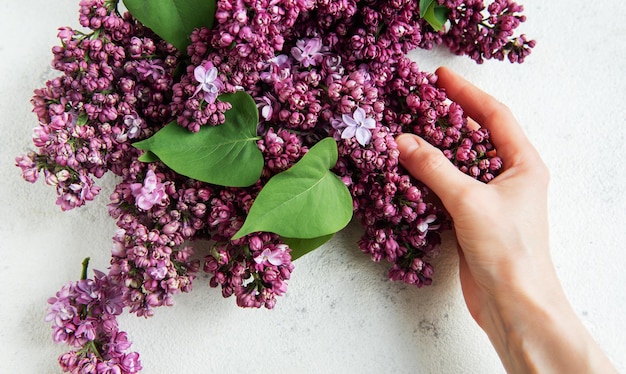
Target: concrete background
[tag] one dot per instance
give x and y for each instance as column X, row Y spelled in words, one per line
column 340, row 315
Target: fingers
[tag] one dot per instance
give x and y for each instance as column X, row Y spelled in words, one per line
column 472, row 125
column 506, row 133
column 429, row 165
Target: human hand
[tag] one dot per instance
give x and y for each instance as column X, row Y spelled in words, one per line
column 502, row 226
column 507, row 277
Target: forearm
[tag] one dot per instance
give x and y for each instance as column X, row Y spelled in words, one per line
column 536, row 331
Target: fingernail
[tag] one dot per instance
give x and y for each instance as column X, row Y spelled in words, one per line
column 407, row 143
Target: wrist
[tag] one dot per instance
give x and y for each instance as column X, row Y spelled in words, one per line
column 534, row 330
column 522, row 325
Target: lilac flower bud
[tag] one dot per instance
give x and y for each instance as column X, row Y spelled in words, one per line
column 417, row 265
column 410, row 277
column 154, row 300
column 413, row 194
column 428, row 270
column 462, row 154
column 118, row 249
column 487, row 177
column 495, row 163
column 478, row 149
column 171, row 228
column 474, row 171
column 211, row 266
column 255, row 243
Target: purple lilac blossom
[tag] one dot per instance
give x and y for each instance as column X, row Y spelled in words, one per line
column 83, row 315
column 206, row 75
column 357, row 126
column 150, row 193
column 308, row 51
column 271, row 257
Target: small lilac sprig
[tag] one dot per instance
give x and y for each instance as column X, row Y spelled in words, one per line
column 83, row 315
column 255, row 270
column 115, row 85
column 484, row 32
column 195, row 97
column 250, row 32
column 156, row 212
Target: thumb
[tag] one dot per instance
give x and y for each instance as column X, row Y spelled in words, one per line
column 428, row 164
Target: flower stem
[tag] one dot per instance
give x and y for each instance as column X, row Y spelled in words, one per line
column 83, row 274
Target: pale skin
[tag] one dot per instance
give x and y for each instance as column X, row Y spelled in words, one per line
column 507, row 275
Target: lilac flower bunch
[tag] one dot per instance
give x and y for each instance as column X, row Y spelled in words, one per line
column 255, row 275
column 258, row 90
column 115, row 87
column 83, row 315
column 484, row 32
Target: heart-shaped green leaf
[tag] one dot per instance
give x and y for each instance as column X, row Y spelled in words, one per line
column 225, row 155
column 173, row 20
column 300, row 247
column 306, row 201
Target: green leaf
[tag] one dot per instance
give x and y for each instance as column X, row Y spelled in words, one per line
column 173, row 20
column 441, row 14
column 226, row 155
column 306, row 201
column 148, row 157
column 436, row 15
column 300, row 247
column 424, row 5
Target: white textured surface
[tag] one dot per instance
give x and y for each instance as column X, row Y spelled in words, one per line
column 340, row 314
